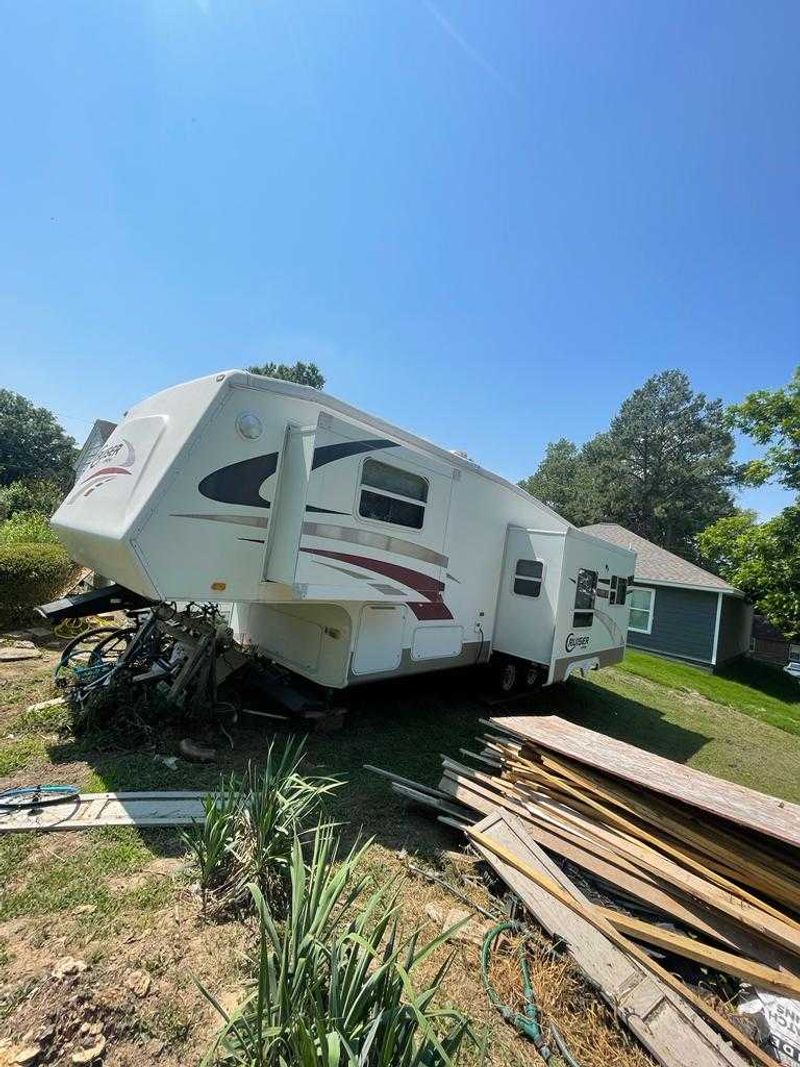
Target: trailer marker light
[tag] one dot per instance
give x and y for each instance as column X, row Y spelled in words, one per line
column 218, row 587
column 249, row 425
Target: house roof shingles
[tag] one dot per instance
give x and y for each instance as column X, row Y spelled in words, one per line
column 654, row 564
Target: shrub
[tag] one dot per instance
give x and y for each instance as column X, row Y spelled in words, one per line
column 31, row 575
column 27, row 528
column 42, row 496
column 333, row 981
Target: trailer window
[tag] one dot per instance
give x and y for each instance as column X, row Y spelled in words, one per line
column 585, row 593
column 619, row 590
column 394, row 496
column 528, row 577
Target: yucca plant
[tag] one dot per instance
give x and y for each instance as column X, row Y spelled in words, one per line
column 210, row 841
column 249, row 826
column 333, row 981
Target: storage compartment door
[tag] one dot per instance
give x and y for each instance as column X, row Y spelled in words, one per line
column 379, row 646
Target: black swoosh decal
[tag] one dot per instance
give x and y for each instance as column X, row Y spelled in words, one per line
column 239, row 483
column 328, row 453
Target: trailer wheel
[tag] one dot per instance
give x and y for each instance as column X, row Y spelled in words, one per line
column 533, row 676
column 508, row 673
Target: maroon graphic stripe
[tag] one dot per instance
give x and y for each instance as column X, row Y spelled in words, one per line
column 431, row 588
column 105, row 470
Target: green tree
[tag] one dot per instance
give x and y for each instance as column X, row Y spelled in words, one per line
column 772, row 419
column 302, row 373
column 33, row 446
column 565, row 482
column 41, row 497
column 763, row 560
column 664, row 468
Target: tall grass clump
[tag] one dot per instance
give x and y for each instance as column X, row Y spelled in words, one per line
column 250, row 824
column 333, row 979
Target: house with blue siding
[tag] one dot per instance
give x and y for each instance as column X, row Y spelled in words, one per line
column 678, row 609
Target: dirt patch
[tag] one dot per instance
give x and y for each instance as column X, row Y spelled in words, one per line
column 138, row 1000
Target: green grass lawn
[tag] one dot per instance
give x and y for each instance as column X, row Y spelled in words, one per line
column 756, row 689
column 104, row 885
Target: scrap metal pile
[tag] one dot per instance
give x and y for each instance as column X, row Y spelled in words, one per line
column 673, row 859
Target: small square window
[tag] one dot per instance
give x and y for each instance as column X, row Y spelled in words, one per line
column 619, row 590
column 528, row 577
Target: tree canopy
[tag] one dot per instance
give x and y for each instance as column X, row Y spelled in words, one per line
column 33, row 446
column 663, row 469
column 772, row 419
column 302, row 373
column 564, row 481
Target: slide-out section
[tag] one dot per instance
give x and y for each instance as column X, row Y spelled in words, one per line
column 529, row 591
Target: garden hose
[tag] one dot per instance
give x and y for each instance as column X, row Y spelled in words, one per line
column 528, row 1022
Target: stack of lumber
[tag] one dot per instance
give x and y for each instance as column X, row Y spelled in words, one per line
column 714, row 867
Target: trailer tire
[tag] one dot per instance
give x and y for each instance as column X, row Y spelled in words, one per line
column 534, row 676
column 508, row 675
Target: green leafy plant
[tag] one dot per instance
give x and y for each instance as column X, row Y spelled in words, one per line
column 247, row 833
column 31, row 575
column 27, row 528
column 333, row 981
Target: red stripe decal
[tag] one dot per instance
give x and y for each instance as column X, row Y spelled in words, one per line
column 426, row 610
column 431, row 588
column 105, row 470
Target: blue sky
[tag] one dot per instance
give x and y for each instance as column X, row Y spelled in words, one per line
column 487, row 222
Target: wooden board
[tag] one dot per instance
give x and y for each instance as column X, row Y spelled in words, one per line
column 665, row 1024
column 778, row 819
column 178, row 808
column 619, row 874
column 781, row 982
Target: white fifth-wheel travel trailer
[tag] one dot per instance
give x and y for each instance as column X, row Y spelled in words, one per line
column 350, row 549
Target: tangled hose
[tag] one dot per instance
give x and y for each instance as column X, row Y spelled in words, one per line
column 528, row 1022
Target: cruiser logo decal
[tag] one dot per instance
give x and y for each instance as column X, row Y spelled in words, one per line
column 110, row 462
column 574, row 642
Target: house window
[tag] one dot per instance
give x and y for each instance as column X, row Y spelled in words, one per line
column 528, row 577
column 641, row 603
column 394, row 495
column 585, row 593
column 619, row 590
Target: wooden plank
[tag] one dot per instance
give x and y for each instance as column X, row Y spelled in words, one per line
column 775, row 818
column 420, row 788
column 428, row 801
column 631, row 831
column 781, row 982
column 656, row 1006
column 180, row 808
column 762, row 923
column 618, row 874
column 760, row 871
